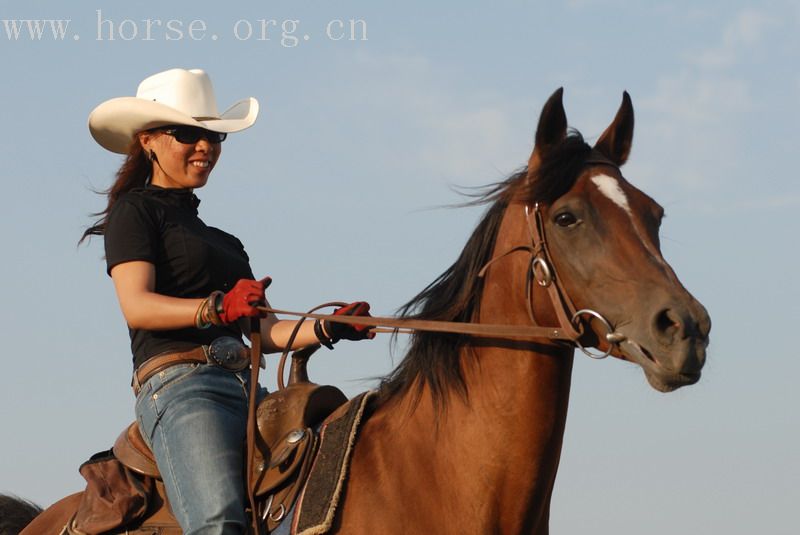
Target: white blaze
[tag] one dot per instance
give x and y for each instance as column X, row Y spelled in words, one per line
column 609, row 187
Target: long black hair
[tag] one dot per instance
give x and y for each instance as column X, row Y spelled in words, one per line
column 135, row 172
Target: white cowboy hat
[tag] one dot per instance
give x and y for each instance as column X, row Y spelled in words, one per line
column 176, row 96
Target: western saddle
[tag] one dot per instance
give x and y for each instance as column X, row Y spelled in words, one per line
column 285, row 444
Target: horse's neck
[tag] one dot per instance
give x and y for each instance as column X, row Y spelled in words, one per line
column 516, row 416
column 486, row 463
column 519, row 391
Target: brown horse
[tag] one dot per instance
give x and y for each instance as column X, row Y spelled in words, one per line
column 468, row 437
column 467, row 434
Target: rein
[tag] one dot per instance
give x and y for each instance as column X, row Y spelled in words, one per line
column 570, row 328
column 483, row 330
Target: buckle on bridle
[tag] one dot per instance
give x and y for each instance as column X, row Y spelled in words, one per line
column 546, row 278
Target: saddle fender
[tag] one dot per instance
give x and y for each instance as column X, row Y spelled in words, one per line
column 285, row 421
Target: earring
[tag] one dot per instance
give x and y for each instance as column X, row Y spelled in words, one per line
column 151, row 156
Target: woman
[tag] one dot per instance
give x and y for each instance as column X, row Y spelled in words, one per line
column 186, row 291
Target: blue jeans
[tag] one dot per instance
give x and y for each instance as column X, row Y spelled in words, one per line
column 194, row 417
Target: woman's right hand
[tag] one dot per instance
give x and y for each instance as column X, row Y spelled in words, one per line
column 241, row 301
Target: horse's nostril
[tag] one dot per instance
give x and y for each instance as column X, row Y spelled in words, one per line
column 668, row 324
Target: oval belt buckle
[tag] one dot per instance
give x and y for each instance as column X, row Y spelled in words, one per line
column 229, row 353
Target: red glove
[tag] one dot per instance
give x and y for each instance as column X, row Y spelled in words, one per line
column 338, row 331
column 243, row 299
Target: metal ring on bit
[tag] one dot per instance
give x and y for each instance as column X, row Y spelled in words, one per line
column 612, row 337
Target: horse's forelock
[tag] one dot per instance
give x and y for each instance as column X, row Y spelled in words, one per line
column 560, row 167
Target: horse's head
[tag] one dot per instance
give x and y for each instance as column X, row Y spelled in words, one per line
column 602, row 234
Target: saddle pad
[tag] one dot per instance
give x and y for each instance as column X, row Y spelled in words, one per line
column 317, row 503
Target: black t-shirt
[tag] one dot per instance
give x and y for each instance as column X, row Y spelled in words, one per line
column 191, row 259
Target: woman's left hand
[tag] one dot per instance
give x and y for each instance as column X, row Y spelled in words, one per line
column 344, row 331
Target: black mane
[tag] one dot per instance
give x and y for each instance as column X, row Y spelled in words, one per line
column 15, row 514
column 434, row 358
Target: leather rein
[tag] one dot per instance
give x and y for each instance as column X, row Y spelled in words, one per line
column 570, row 321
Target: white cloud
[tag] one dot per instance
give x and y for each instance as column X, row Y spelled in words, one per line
column 470, row 140
column 695, row 102
column 693, row 129
column 745, row 30
column 698, row 114
column 461, row 135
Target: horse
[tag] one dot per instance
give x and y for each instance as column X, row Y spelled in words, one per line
column 466, row 433
column 15, row 514
column 468, row 436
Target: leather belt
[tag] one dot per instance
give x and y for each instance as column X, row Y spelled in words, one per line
column 159, row 363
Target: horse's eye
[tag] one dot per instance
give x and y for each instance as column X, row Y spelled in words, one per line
column 565, row 219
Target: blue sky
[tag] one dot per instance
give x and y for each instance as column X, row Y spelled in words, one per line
column 376, row 131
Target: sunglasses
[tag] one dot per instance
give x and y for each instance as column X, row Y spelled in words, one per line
column 189, row 135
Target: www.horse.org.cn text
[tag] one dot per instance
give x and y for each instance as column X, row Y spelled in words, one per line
column 286, row 33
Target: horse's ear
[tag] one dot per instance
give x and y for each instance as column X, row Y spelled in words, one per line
column 615, row 143
column 552, row 128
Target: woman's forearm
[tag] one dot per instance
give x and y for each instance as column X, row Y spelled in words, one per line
column 156, row 312
column 275, row 334
column 142, row 307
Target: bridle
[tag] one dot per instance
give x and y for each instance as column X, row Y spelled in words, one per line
column 542, row 271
